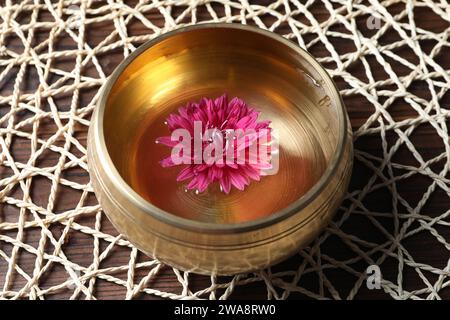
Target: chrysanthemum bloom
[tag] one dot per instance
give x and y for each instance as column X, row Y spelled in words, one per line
column 238, row 144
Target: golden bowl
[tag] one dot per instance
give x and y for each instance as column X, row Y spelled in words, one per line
column 213, row 233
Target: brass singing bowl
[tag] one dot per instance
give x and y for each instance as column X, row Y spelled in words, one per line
column 291, row 88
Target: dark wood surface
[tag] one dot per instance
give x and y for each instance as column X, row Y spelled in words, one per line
column 79, row 247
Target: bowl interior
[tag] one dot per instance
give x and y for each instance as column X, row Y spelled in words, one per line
column 268, row 74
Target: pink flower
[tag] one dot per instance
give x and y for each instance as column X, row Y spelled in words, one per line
column 221, row 118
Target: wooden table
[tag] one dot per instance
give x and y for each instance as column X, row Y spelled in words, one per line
column 79, row 248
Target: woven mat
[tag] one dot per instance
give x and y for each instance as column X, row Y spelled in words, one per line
column 390, row 61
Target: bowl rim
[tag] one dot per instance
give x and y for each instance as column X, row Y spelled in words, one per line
column 208, row 227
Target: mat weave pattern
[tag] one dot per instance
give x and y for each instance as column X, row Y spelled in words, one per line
column 391, row 65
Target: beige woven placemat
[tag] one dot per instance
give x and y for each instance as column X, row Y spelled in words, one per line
column 390, row 60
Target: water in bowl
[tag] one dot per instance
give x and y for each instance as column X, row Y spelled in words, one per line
column 301, row 162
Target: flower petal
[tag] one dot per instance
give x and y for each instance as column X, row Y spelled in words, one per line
column 185, row 174
column 167, row 140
